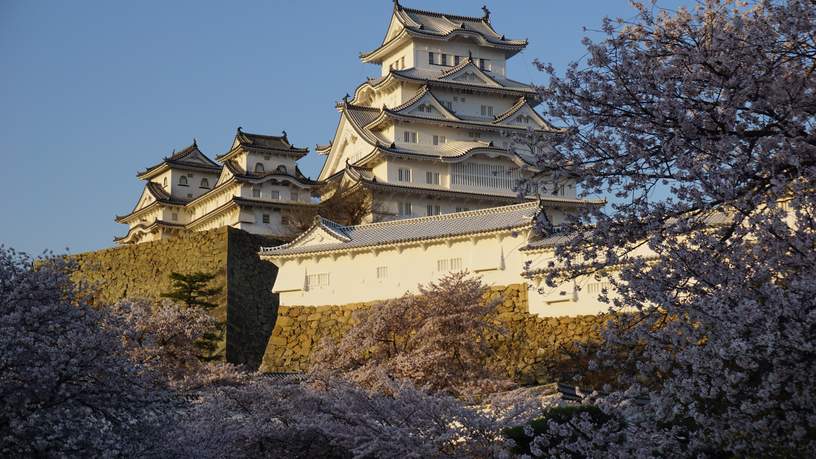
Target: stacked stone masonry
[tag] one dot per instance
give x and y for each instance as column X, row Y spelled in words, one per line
column 531, row 349
column 246, row 304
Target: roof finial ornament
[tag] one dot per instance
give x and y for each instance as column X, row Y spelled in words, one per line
column 195, row 144
column 284, row 135
column 470, row 55
column 238, row 131
column 396, row 4
column 486, row 13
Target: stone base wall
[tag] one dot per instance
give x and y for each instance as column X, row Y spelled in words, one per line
column 529, row 348
column 246, row 303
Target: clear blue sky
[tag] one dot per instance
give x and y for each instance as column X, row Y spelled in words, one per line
column 92, row 91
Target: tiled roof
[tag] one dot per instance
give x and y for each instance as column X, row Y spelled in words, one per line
column 181, row 159
column 436, row 78
column 263, row 142
column 438, row 75
column 415, row 229
column 160, row 195
column 271, row 142
column 240, row 174
column 444, row 26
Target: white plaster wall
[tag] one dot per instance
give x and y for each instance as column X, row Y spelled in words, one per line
column 269, row 161
column 456, row 47
column 393, row 60
column 353, row 277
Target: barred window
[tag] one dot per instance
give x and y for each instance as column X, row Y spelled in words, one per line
column 484, row 175
column 382, row 272
column 433, row 210
column 319, row 280
column 432, row 178
column 449, row 264
column 404, row 175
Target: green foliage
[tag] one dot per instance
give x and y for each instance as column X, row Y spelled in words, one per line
column 540, row 426
column 193, row 291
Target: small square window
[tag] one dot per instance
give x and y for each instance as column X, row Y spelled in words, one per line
column 265, row 218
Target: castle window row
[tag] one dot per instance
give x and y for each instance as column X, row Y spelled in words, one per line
column 484, row 175
column 448, row 60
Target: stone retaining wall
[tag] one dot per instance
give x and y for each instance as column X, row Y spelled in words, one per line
column 531, row 348
column 246, row 303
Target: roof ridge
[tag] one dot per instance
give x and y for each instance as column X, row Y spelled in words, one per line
column 450, row 216
column 513, row 108
column 422, row 91
column 440, row 15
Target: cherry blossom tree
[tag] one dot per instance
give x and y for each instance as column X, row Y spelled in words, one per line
column 164, row 337
column 700, row 124
column 67, row 386
column 436, row 338
column 333, row 418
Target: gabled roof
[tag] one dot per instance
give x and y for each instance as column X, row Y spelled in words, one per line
column 364, row 118
column 360, row 176
column 256, row 177
column 517, row 216
column 523, row 108
column 443, row 78
column 159, row 195
column 273, row 144
column 409, row 22
column 190, row 158
column 423, row 97
column 465, row 67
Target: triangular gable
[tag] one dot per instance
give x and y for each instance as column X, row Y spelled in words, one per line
column 145, row 199
column 471, row 74
column 428, row 106
column 348, row 144
column 394, row 28
column 321, row 233
column 226, row 175
column 198, row 158
column 522, row 114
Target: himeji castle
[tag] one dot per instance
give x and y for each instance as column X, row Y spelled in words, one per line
column 430, row 142
column 432, row 134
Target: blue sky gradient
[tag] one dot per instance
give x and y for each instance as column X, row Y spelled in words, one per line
column 92, row 91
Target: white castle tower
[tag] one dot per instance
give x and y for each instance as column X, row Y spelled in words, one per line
column 432, row 134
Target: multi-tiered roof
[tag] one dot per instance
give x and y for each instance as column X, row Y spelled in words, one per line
column 370, row 119
column 408, row 23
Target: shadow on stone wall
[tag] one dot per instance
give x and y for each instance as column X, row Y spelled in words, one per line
column 246, row 304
